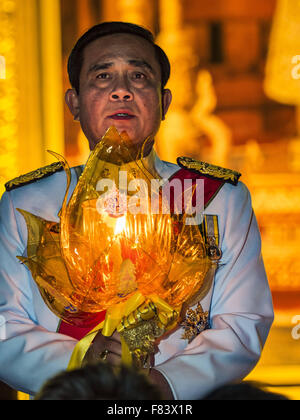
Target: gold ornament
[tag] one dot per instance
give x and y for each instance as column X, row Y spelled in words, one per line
column 140, row 267
column 216, row 172
column 196, row 321
column 33, row 176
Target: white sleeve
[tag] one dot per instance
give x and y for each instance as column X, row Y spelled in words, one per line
column 29, row 353
column 241, row 309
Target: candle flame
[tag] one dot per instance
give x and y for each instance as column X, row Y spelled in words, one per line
column 120, row 225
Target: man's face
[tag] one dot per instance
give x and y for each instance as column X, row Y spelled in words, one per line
column 120, row 85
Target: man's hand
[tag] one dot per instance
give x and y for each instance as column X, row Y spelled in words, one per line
column 101, row 345
column 112, row 346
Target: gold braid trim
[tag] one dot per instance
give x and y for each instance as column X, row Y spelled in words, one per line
column 33, row 176
column 209, row 170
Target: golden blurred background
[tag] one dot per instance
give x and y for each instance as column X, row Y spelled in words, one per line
column 236, row 85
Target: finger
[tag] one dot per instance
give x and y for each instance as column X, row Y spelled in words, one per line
column 102, row 339
column 105, row 356
column 116, row 336
column 90, row 357
column 114, row 348
column 113, row 359
column 108, row 345
column 102, row 343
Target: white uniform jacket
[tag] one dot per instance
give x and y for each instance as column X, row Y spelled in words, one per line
column 240, row 304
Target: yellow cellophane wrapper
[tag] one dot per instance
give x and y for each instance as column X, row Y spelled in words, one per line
column 111, row 252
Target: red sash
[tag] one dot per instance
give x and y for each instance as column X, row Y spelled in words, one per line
column 78, row 332
column 211, row 188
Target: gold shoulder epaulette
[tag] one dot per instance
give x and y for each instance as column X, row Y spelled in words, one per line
column 33, row 176
column 212, row 171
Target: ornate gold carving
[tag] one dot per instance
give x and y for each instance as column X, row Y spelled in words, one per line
column 141, row 341
column 33, row 176
column 276, row 202
column 141, row 329
column 208, row 123
column 213, row 171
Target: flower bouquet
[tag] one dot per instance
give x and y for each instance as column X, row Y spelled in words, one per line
column 117, row 249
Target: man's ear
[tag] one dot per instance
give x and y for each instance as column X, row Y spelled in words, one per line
column 72, row 100
column 166, row 102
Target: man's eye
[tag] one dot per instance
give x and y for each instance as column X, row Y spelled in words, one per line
column 139, row 76
column 103, row 76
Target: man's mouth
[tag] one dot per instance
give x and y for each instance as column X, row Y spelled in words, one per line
column 122, row 116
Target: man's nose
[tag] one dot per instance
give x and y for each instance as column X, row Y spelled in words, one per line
column 121, row 93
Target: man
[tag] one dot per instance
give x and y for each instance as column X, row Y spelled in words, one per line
column 118, row 77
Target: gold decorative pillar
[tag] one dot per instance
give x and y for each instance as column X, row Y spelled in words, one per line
column 177, row 134
column 109, row 11
column 31, row 95
column 85, row 15
column 51, row 78
column 281, row 82
column 140, row 12
column 9, row 91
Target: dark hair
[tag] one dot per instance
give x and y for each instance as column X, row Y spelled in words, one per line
column 111, row 28
column 99, row 381
column 245, row 391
